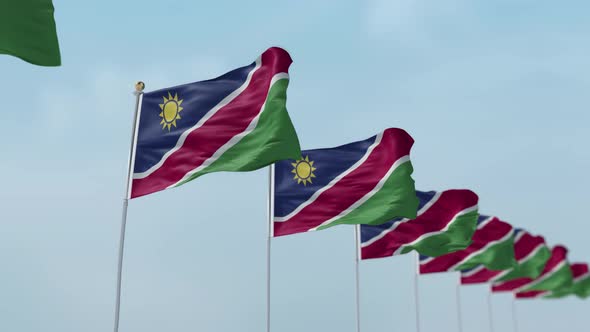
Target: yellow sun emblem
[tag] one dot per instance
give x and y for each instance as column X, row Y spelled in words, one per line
column 170, row 111
column 303, row 170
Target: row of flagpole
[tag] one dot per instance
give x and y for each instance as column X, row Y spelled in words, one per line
column 416, row 275
column 458, row 304
column 138, row 96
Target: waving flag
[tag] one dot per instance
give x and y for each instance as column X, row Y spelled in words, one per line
column 492, row 246
column 27, row 31
column 445, row 223
column 580, row 286
column 531, row 253
column 556, row 274
column 366, row 182
column 236, row 122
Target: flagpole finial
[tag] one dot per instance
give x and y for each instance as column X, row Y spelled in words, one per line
column 139, row 86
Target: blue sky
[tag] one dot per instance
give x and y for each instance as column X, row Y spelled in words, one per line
column 494, row 93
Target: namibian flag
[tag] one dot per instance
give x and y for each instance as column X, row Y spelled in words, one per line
column 236, row 122
column 556, row 274
column 366, row 182
column 580, row 286
column 445, row 223
column 531, row 253
column 492, row 246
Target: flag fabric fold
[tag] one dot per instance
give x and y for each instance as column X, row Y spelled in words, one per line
column 445, row 223
column 365, row 182
column 27, row 31
column 531, row 253
column 236, row 122
column 580, row 286
column 492, row 246
column 556, row 274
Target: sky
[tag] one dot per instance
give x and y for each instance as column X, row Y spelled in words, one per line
column 493, row 92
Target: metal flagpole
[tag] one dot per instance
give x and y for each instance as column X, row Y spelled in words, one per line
column 356, row 266
column 139, row 86
column 416, row 293
column 490, row 312
column 271, row 181
column 458, row 296
column 514, row 320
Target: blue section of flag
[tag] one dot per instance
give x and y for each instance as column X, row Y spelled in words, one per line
column 471, row 269
column 198, row 99
column 481, row 218
column 425, row 197
column 368, row 232
column 329, row 163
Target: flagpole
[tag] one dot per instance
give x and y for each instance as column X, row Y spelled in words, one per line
column 490, row 312
column 271, row 179
column 416, row 293
column 514, row 320
column 139, row 86
column 357, row 282
column 458, row 296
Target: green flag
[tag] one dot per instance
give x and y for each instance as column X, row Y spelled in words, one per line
column 27, row 31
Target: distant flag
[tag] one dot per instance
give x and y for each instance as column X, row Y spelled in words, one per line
column 492, row 246
column 556, row 274
column 580, row 286
column 365, row 182
column 236, row 122
column 27, row 31
column 445, row 223
column 531, row 253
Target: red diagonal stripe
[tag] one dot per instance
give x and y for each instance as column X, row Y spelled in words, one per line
column 434, row 219
column 526, row 245
column 579, row 269
column 395, row 144
column 511, row 285
column 482, row 276
column 530, row 294
column 229, row 121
